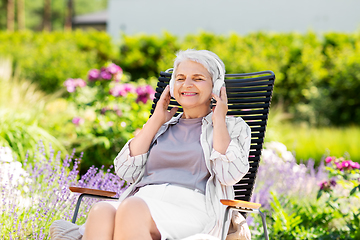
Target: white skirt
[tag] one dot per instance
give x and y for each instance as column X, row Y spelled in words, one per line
column 178, row 212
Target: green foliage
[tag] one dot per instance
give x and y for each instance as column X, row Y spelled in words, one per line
column 22, row 111
column 307, row 142
column 50, row 58
column 107, row 114
column 334, row 214
column 317, row 78
column 34, row 11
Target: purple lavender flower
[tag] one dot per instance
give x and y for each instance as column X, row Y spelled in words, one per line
column 77, row 121
column 145, row 93
column 48, row 197
column 93, row 74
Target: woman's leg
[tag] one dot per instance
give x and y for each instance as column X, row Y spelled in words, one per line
column 100, row 222
column 133, row 221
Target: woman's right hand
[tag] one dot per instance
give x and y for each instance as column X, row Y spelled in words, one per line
column 161, row 113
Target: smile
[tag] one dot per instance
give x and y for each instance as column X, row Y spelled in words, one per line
column 188, row 94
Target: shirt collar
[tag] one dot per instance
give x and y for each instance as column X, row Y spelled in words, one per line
column 207, row 119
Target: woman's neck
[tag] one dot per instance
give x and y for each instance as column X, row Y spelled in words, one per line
column 189, row 113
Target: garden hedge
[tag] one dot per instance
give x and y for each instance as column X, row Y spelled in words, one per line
column 318, row 76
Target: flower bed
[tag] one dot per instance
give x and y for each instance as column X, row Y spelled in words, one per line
column 35, row 194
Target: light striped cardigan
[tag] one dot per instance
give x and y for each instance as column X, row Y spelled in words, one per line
column 225, row 170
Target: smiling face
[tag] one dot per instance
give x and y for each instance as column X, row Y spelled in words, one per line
column 193, row 88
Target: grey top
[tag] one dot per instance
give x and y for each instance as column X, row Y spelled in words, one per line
column 177, row 157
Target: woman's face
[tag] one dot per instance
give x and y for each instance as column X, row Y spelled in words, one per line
column 193, row 86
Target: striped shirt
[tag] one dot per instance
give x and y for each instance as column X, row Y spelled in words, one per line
column 225, row 169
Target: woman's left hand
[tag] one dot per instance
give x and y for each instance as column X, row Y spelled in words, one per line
column 221, row 108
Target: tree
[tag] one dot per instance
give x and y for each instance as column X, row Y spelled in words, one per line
column 69, row 15
column 47, row 15
column 10, row 20
column 21, row 14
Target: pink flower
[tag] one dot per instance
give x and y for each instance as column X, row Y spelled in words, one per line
column 328, row 159
column 79, row 82
column 77, row 121
column 104, row 74
column 339, row 166
column 70, row 85
column 122, row 90
column 114, row 69
column 145, row 93
column 323, row 185
column 129, row 87
column 326, row 185
column 345, row 164
column 355, row 165
column 93, row 74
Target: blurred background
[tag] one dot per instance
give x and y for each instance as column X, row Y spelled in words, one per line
column 55, row 54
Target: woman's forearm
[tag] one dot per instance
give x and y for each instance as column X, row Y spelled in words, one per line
column 140, row 144
column 221, row 138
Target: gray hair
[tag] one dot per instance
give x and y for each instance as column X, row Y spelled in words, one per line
column 209, row 60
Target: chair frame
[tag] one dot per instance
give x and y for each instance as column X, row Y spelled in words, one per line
column 249, row 96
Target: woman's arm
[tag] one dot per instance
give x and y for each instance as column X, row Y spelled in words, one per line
column 140, row 144
column 231, row 166
column 221, row 137
column 230, row 146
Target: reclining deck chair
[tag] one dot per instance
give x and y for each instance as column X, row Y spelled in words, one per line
column 249, row 96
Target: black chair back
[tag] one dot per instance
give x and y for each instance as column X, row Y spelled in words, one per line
column 249, row 96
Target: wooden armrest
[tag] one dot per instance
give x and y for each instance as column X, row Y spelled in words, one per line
column 92, row 191
column 239, row 203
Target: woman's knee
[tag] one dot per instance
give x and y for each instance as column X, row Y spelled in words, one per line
column 102, row 209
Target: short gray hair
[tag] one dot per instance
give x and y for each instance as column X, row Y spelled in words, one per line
column 208, row 59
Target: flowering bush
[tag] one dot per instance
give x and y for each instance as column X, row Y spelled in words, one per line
column 304, row 203
column 108, row 110
column 37, row 193
column 280, row 174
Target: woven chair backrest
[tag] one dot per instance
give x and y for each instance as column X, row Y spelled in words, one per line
column 249, row 96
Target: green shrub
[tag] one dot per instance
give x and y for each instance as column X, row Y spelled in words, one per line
column 24, row 119
column 317, row 77
column 108, row 110
column 50, row 58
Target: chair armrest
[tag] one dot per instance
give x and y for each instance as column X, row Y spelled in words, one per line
column 92, row 191
column 241, row 204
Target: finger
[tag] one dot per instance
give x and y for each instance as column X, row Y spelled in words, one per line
column 216, row 97
column 223, row 94
column 173, row 110
column 166, row 92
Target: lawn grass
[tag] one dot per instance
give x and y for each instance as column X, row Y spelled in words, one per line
column 308, row 142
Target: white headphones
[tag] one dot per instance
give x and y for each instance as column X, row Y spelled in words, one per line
column 218, row 83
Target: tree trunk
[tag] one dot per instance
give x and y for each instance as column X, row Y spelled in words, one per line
column 10, row 21
column 21, row 14
column 69, row 15
column 47, row 15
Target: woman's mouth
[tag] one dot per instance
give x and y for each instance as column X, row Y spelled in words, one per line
column 188, row 93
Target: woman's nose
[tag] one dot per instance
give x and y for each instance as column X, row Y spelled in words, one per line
column 188, row 82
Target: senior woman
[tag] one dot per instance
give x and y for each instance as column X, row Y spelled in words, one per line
column 180, row 167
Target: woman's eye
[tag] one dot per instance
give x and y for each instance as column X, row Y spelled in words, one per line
column 180, row 79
